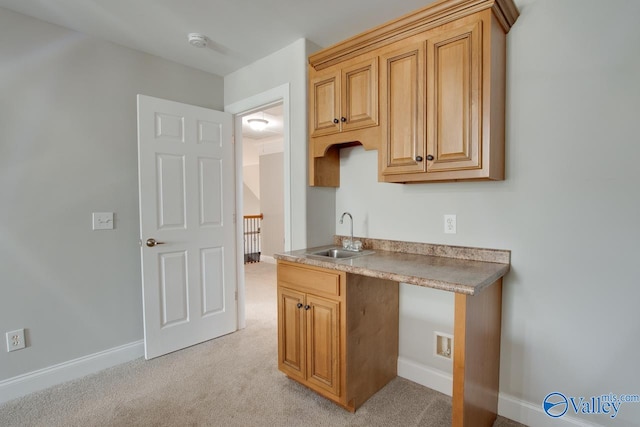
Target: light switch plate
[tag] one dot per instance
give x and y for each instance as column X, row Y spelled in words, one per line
column 103, row 220
column 450, row 226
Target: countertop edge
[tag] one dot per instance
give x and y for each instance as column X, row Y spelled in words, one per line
column 412, row 280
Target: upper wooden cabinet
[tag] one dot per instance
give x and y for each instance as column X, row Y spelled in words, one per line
column 454, row 98
column 344, row 98
column 343, row 108
column 403, row 108
column 441, row 95
column 441, row 138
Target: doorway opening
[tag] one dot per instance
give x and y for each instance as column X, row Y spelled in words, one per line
column 263, row 184
column 263, row 209
column 273, row 102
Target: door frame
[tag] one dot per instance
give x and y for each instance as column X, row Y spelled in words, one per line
column 238, row 109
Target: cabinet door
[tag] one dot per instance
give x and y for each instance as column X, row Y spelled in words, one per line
column 291, row 332
column 402, row 98
column 324, row 97
column 454, row 96
column 359, row 95
column 323, row 343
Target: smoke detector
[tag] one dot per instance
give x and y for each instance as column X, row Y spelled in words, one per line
column 198, row 40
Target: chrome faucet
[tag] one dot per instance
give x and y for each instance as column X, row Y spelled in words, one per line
column 351, row 246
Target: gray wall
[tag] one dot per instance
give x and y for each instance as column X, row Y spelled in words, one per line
column 272, row 203
column 68, row 143
column 568, row 209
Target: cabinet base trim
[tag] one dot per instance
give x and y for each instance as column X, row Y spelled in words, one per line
column 322, row 393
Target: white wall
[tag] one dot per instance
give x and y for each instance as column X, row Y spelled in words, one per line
column 312, row 221
column 568, row 209
column 272, row 203
column 251, row 193
column 251, row 203
column 68, row 147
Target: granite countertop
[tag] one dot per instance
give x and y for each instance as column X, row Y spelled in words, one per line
column 450, row 268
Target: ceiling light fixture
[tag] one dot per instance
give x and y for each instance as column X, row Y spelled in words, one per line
column 258, row 124
column 198, row 40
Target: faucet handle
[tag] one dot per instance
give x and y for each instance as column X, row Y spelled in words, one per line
column 357, row 245
column 346, row 243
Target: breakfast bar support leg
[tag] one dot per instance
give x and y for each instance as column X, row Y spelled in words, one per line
column 476, row 357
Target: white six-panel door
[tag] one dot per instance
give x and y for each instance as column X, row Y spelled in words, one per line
column 187, row 199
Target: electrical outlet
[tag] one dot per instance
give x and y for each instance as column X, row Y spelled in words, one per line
column 15, row 340
column 450, row 224
column 443, row 345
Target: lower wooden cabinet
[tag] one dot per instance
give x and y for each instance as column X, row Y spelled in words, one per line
column 310, row 338
column 337, row 332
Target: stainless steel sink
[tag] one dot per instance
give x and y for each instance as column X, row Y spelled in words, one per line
column 339, row 253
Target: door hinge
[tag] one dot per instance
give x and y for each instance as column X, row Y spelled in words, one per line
column 234, row 218
column 236, row 295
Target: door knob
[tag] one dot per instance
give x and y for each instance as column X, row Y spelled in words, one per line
column 336, row 121
column 429, row 157
column 299, row 305
column 343, row 119
column 152, row 242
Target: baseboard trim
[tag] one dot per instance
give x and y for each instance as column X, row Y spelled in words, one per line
column 508, row 406
column 268, row 259
column 427, row 376
column 30, row 382
column 533, row 415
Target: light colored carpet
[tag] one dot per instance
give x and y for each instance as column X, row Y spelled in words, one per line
column 229, row 381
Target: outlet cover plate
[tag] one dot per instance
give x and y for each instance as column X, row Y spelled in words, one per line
column 450, row 224
column 443, row 345
column 15, row 340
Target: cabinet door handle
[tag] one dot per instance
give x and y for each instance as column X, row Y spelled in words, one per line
column 343, row 119
column 299, row 305
column 418, row 158
column 429, row 157
column 307, row 307
column 336, row 121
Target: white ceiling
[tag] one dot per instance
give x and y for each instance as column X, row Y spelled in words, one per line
column 267, row 141
column 273, row 115
column 241, row 31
